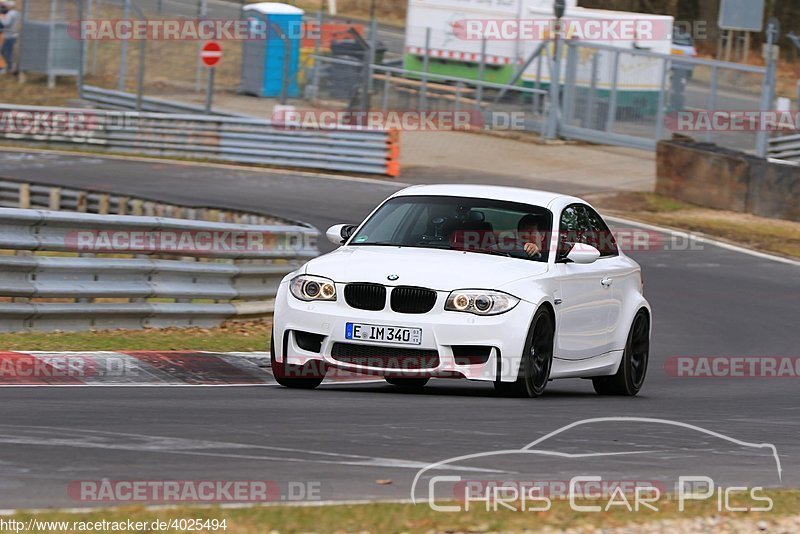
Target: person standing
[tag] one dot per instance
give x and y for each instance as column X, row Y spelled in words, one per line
column 9, row 18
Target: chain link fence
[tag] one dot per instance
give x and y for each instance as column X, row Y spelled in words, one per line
column 636, row 97
column 605, row 94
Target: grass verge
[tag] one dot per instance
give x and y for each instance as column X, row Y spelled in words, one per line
column 234, row 336
column 385, row 518
column 749, row 231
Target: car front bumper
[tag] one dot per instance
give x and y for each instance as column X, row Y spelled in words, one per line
column 441, row 331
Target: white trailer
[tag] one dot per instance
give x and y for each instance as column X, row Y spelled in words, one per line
column 438, row 27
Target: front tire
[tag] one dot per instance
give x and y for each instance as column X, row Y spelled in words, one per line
column 307, row 376
column 407, row 383
column 632, row 371
column 537, row 360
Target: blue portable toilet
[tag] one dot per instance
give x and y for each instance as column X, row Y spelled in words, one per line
column 264, row 55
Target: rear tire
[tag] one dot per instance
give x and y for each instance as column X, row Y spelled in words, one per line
column 407, row 383
column 632, row 371
column 537, row 360
column 307, row 376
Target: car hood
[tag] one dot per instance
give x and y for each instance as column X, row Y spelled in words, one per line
column 442, row 270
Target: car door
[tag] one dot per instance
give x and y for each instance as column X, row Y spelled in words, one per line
column 622, row 275
column 586, row 298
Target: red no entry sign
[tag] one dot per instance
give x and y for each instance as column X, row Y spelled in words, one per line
column 211, row 54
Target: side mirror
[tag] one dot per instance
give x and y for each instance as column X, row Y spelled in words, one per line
column 340, row 233
column 583, row 254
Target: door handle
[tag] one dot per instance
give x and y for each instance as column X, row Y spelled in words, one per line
column 607, row 282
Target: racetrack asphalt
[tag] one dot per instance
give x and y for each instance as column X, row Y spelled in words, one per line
column 707, row 301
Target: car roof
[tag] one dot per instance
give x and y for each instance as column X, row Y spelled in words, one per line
column 492, row 192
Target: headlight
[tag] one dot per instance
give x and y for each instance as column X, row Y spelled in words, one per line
column 480, row 302
column 308, row 288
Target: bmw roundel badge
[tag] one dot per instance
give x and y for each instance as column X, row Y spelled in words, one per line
column 393, row 277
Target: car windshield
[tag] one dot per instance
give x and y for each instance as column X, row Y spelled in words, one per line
column 472, row 225
column 682, row 39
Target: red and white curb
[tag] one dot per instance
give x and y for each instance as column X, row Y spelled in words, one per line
column 143, row 368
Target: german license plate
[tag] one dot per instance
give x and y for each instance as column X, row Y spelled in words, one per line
column 383, row 334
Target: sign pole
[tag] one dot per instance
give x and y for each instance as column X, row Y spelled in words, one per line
column 210, row 54
column 210, row 88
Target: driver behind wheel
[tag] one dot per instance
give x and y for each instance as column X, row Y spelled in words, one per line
column 531, row 235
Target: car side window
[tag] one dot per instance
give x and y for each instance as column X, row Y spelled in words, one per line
column 603, row 239
column 575, row 227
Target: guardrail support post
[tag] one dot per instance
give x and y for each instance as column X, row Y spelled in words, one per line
column 24, row 196
column 81, row 202
column 102, row 205
column 55, row 199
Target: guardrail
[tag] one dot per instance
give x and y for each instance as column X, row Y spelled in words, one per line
column 785, row 148
column 120, row 100
column 25, row 195
column 224, row 270
column 228, row 139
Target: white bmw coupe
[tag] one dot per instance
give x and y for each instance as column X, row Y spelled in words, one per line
column 511, row 286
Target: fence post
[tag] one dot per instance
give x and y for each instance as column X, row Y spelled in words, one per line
column 768, row 86
column 589, row 112
column 426, row 62
column 312, row 89
column 481, row 75
column 387, row 85
column 123, row 51
column 82, row 49
column 140, row 74
column 202, row 10
column 712, row 99
column 662, row 98
column 555, row 87
column 568, row 105
column 612, row 104
column 317, row 63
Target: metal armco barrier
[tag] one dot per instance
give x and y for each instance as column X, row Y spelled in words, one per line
column 229, row 139
column 785, row 148
column 24, row 195
column 110, row 99
column 118, row 292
